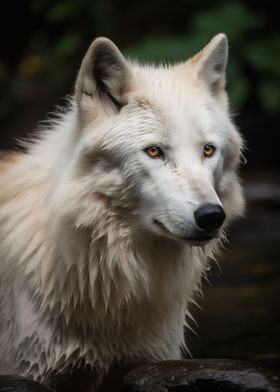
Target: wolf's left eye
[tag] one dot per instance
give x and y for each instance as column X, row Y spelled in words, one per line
column 209, row 150
column 154, row 152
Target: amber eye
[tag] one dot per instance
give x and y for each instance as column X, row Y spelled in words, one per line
column 154, row 152
column 209, row 150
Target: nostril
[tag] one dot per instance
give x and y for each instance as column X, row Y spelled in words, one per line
column 209, row 216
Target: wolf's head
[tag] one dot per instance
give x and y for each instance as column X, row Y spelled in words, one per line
column 157, row 144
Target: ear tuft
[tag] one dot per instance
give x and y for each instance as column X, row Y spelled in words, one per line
column 211, row 63
column 104, row 74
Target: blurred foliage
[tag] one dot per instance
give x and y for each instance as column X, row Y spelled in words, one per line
column 250, row 51
column 53, row 35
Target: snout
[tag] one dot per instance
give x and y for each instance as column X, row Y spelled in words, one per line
column 196, row 229
column 209, row 217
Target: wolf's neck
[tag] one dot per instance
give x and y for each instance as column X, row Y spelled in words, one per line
column 76, row 266
column 104, row 268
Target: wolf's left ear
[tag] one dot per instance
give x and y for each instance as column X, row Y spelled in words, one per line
column 104, row 75
column 211, row 63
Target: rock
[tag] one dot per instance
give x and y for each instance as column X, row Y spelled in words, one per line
column 205, row 375
column 21, row 384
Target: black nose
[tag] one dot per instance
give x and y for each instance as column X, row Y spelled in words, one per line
column 209, row 216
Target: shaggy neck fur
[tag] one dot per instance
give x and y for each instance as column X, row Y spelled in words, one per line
column 102, row 291
column 87, row 277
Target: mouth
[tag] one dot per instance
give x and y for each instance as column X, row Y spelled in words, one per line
column 161, row 226
column 198, row 240
column 194, row 240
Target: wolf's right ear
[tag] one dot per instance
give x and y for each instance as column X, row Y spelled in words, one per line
column 104, row 75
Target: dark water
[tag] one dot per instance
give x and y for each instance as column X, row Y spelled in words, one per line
column 241, row 317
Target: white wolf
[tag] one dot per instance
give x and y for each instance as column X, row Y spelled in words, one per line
column 107, row 220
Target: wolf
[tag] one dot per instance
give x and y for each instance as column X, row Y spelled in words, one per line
column 109, row 217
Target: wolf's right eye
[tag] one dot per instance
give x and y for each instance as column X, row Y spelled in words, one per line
column 154, row 152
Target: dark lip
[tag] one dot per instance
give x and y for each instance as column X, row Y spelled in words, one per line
column 161, row 225
column 199, row 238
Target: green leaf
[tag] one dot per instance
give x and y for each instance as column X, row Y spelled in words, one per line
column 60, row 11
column 269, row 95
column 264, row 55
column 238, row 86
column 66, row 46
column 165, row 49
column 232, row 18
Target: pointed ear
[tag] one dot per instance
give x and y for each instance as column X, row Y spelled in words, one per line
column 211, row 63
column 104, row 75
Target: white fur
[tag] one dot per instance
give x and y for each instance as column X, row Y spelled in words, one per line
column 85, row 272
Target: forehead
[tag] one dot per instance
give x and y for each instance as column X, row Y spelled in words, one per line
column 174, row 105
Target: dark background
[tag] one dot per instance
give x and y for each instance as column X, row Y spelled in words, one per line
column 41, row 45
